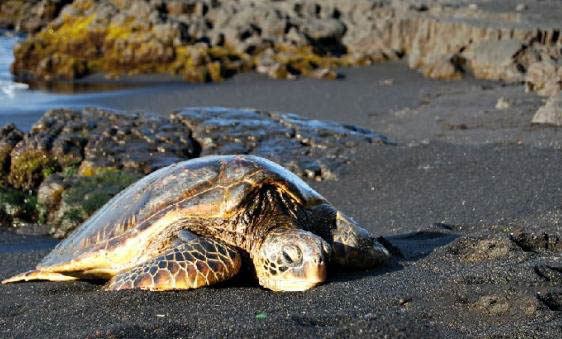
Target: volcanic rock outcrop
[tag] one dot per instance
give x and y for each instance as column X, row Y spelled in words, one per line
column 208, row 40
column 72, row 162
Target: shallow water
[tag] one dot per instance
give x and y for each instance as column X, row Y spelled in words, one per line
column 9, row 88
column 23, row 103
column 359, row 98
column 19, row 100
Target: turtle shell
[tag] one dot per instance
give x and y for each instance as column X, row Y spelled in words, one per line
column 206, row 187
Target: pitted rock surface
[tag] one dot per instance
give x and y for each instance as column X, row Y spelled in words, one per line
column 71, row 162
column 95, row 138
column 310, row 148
column 9, row 137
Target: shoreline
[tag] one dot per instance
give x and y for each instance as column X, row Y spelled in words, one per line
column 388, row 98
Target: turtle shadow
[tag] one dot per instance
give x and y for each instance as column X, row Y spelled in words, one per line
column 414, row 246
column 408, row 247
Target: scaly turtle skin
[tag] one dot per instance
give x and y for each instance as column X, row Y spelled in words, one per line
column 193, row 223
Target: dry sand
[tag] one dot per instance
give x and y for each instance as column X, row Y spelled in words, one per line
column 452, row 197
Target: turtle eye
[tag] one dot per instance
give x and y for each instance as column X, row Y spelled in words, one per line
column 292, row 255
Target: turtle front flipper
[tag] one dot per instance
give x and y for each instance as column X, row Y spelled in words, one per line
column 39, row 275
column 354, row 246
column 195, row 263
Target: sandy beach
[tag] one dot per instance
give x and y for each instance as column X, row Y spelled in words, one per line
column 468, row 199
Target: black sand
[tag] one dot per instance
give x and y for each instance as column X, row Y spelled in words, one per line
column 470, row 198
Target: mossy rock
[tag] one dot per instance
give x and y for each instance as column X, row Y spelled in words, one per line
column 87, row 194
column 94, row 191
column 5, row 150
column 97, row 38
column 17, row 205
column 29, row 168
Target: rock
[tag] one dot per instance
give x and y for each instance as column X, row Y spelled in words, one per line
column 72, row 162
column 324, row 35
column 493, row 59
column 16, row 206
column 502, row 103
column 29, row 16
column 324, row 73
column 323, row 29
column 520, row 7
column 544, row 77
column 96, row 138
column 550, row 113
column 310, row 148
column 538, row 243
column 552, row 300
column 9, row 137
column 549, row 273
column 442, row 67
column 287, row 39
column 29, row 166
column 50, row 190
column 83, row 195
column 139, row 9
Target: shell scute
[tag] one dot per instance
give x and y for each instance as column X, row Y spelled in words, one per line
column 207, row 203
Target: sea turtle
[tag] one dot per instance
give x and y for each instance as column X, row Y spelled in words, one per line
column 196, row 222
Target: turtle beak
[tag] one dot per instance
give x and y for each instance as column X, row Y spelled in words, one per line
column 313, row 274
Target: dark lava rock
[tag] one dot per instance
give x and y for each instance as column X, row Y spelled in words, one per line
column 310, row 148
column 83, row 195
column 72, row 162
column 209, row 40
column 29, row 15
column 50, row 190
column 550, row 273
column 9, row 137
column 16, row 207
column 94, row 138
column 553, row 300
column 538, row 243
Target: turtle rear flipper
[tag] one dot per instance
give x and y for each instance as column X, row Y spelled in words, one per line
column 192, row 264
column 38, row 275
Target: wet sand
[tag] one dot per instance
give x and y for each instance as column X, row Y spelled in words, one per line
column 455, row 197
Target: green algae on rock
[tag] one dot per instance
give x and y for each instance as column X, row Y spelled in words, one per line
column 29, row 168
column 85, row 194
column 9, row 137
column 17, row 206
column 90, row 36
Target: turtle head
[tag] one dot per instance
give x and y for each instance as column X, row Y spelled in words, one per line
column 291, row 260
column 354, row 246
